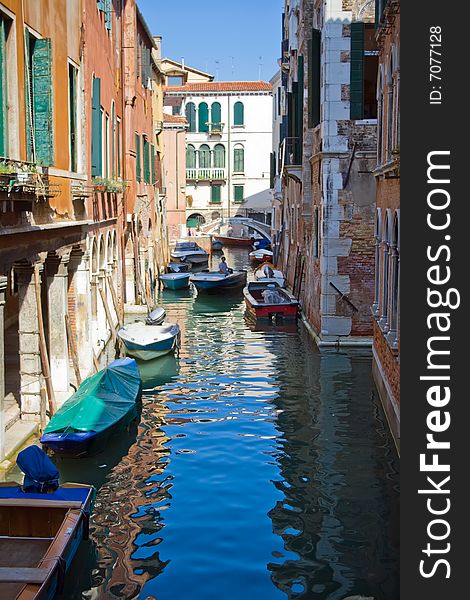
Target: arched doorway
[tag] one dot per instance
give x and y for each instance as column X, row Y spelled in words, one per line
column 195, row 220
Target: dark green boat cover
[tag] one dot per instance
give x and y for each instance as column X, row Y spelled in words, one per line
column 101, row 400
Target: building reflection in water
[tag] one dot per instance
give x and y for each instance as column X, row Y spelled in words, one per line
column 338, row 519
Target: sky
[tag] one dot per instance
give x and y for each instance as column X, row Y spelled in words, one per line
column 231, row 40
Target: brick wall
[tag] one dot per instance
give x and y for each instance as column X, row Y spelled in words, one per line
column 389, row 361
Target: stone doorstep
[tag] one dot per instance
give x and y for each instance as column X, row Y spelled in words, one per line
column 18, row 436
column 135, row 309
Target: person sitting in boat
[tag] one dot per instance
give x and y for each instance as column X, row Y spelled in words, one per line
column 223, row 266
column 267, row 270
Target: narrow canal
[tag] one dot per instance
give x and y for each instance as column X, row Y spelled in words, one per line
column 259, row 469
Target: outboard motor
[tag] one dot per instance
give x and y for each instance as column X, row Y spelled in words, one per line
column 156, row 316
column 40, row 473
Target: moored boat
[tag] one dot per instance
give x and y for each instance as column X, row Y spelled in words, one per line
column 175, row 281
column 265, row 300
column 262, row 243
column 212, row 281
column 146, row 342
column 266, row 273
column 217, row 244
column 187, row 251
column 234, row 241
column 41, row 527
column 261, row 255
column 104, row 403
column 178, row 267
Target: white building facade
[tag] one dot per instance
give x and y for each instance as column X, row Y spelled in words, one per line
column 228, row 146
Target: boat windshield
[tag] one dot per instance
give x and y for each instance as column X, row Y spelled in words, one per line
column 186, row 246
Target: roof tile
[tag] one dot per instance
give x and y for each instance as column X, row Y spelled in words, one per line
column 222, row 86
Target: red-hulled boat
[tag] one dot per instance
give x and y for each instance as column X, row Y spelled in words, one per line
column 265, row 300
column 234, row 241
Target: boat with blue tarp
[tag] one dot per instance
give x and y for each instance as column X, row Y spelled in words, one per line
column 42, row 525
column 104, row 403
column 175, row 281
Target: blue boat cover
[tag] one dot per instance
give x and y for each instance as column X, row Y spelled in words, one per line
column 78, row 494
column 101, row 400
column 40, row 473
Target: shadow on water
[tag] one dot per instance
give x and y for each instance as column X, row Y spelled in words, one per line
column 158, row 372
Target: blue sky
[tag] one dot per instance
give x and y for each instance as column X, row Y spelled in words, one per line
column 236, row 34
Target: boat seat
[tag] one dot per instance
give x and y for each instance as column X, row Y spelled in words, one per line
column 23, row 575
column 166, row 328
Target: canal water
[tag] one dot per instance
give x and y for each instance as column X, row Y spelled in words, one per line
column 259, row 468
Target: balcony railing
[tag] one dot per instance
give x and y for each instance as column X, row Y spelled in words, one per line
column 215, row 128
column 205, row 174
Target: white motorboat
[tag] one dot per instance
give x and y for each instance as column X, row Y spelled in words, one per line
column 149, row 341
column 266, row 273
column 187, row 251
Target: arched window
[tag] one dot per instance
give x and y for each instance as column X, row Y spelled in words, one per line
column 380, row 114
column 204, row 157
column 238, row 159
column 190, row 112
column 390, row 108
column 385, row 275
column 394, row 281
column 190, row 157
column 238, row 113
column 219, row 156
column 216, row 116
column 378, row 239
column 203, row 117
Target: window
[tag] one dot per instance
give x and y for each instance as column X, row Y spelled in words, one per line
column 113, row 141
column 72, row 117
column 175, row 80
column 238, row 159
column 219, row 156
column 190, row 157
column 204, row 157
column 216, row 117
column 176, row 109
column 152, row 164
column 238, row 193
column 314, row 79
column 216, row 194
column 190, row 112
column 4, row 27
column 138, row 168
column 118, row 144
column 39, row 117
column 203, row 117
column 146, row 160
column 364, row 66
column 106, row 149
column 96, row 129
column 316, row 232
column 238, row 114
column 108, row 6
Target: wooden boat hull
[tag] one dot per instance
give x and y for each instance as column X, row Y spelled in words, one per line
column 234, row 241
column 261, row 256
column 39, row 538
column 259, row 309
column 214, row 282
column 175, row 281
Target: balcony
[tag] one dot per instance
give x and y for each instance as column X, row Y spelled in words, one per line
column 215, row 128
column 205, row 174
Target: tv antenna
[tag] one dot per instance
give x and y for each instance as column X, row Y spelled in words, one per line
column 217, row 62
column 260, row 64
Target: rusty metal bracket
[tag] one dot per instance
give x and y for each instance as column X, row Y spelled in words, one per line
column 344, row 297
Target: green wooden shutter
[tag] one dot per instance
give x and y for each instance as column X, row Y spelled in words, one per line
column 300, row 106
column 191, row 116
column 119, row 148
column 215, row 194
column 219, row 156
column 238, row 113
column 146, row 161
column 42, row 102
column 357, row 71
column 238, row 160
column 238, row 193
column 152, row 164
column 138, row 169
column 96, row 129
column 216, row 115
column 3, row 91
column 314, row 79
column 100, row 4
column 203, row 117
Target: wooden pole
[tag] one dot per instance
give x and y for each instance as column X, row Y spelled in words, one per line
column 96, row 362
column 115, row 300
column 108, row 313
column 42, row 344
column 42, row 408
column 73, row 350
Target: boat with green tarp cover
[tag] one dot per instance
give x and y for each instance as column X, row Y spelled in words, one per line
column 104, row 403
